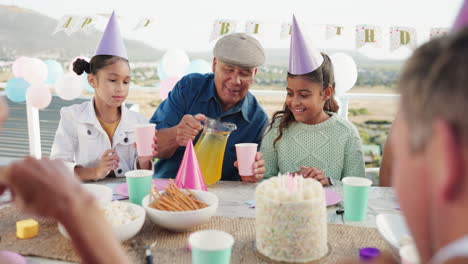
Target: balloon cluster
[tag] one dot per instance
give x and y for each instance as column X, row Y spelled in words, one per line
column 33, row 77
column 174, row 64
column 29, row 82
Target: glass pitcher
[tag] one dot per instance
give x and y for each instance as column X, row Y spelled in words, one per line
column 210, row 148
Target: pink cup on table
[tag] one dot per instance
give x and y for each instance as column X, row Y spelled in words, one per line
column 246, row 153
column 144, row 139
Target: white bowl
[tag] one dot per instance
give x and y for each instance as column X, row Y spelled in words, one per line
column 184, row 220
column 393, row 229
column 101, row 192
column 123, row 231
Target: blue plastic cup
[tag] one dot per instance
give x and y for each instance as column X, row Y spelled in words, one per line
column 211, row 247
column 139, row 184
column 356, row 194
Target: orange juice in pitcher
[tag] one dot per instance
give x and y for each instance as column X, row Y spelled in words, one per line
column 210, row 148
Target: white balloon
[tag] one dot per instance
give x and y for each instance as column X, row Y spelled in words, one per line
column 35, row 71
column 69, row 87
column 345, row 71
column 175, row 62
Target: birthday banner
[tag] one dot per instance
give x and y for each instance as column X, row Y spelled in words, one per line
column 403, row 36
column 223, row 27
column 254, row 28
column 365, row 34
column 333, row 31
column 74, row 23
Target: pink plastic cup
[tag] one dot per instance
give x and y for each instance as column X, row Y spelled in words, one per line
column 144, row 139
column 246, row 158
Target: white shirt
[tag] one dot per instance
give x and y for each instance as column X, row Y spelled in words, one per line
column 81, row 140
column 458, row 248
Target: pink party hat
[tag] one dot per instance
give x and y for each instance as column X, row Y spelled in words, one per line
column 189, row 174
column 303, row 57
column 462, row 18
column 111, row 41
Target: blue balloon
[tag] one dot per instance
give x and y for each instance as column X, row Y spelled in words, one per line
column 84, row 78
column 16, row 89
column 199, row 66
column 161, row 74
column 55, row 71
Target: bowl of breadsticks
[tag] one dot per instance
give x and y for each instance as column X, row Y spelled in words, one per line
column 179, row 209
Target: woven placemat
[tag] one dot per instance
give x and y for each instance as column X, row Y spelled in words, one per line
column 171, row 247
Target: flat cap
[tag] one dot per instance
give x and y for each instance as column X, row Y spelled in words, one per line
column 239, row 49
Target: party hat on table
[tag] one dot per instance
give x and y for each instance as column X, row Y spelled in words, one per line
column 189, row 174
column 111, row 42
column 303, row 57
column 462, row 19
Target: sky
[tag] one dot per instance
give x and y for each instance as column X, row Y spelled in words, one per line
column 187, row 24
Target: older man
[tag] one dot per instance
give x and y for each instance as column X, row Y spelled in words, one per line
column 223, row 95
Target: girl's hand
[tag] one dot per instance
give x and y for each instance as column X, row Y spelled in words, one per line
column 314, row 173
column 154, row 145
column 144, row 162
column 259, row 169
column 109, row 161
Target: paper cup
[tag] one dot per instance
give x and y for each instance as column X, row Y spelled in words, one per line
column 356, row 194
column 211, row 247
column 144, row 139
column 246, row 153
column 139, row 184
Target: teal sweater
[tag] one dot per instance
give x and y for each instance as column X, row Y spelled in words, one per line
column 334, row 146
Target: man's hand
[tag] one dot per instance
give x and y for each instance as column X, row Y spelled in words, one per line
column 188, row 128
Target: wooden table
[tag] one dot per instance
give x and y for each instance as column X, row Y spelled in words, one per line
column 234, row 195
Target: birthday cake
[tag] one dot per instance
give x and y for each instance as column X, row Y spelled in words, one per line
column 291, row 219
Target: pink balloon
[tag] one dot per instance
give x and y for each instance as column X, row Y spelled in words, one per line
column 70, row 67
column 38, row 96
column 167, row 85
column 19, row 65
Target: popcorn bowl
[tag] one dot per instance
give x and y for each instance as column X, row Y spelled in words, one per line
column 126, row 219
column 102, row 193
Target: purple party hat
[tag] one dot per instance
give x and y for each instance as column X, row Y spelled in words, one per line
column 111, row 41
column 303, row 57
column 462, row 18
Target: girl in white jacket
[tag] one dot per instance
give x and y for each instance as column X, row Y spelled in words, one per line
column 96, row 138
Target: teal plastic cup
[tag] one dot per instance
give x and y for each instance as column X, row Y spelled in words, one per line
column 356, row 194
column 139, row 184
column 211, row 247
